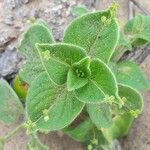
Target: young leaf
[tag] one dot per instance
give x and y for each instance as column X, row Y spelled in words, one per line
column 130, row 74
column 78, row 74
column 81, row 132
column 100, row 115
column 121, row 125
column 37, row 33
column 35, row 144
column 133, row 98
column 138, row 29
column 58, row 58
column 96, row 32
column 101, row 83
column 10, row 105
column 51, row 107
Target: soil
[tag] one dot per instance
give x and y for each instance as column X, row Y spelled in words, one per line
column 14, row 19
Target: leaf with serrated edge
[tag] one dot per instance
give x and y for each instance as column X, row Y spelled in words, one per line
column 37, row 33
column 101, row 83
column 134, row 99
column 49, row 106
column 89, row 32
column 78, row 75
column 100, row 114
column 129, row 73
column 10, row 105
column 58, row 59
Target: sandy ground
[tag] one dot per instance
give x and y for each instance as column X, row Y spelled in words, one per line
column 139, row 136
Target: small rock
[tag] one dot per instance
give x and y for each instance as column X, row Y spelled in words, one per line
column 9, row 20
column 9, row 62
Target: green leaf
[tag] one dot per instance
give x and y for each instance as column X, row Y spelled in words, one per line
column 79, row 10
column 81, row 132
column 57, row 59
column 37, row 33
column 130, row 74
column 138, row 29
column 121, row 125
column 51, row 107
column 96, row 32
column 133, row 98
column 100, row 114
column 10, row 105
column 78, row 74
column 35, row 144
column 101, row 84
column 123, row 42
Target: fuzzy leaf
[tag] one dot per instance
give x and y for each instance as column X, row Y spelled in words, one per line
column 78, row 74
column 49, row 106
column 10, row 105
column 96, row 32
column 133, row 98
column 121, row 125
column 81, row 132
column 138, row 29
column 35, row 144
column 101, row 83
column 37, row 33
column 123, row 42
column 130, row 74
column 100, row 114
column 58, row 58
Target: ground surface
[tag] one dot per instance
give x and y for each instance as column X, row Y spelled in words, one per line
column 14, row 16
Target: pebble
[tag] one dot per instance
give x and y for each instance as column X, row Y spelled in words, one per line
column 9, row 20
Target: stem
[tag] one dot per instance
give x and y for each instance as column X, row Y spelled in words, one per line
column 7, row 137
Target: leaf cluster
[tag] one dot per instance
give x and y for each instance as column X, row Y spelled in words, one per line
column 79, row 78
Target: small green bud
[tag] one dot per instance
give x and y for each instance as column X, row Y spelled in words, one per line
column 46, row 118
column 113, row 8
column 94, row 141
column 89, row 147
column 103, row 19
column 45, row 112
column 32, row 19
column 108, row 21
column 135, row 113
column 45, row 55
column 29, row 126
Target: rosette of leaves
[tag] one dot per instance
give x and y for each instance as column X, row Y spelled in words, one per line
column 66, row 77
column 76, row 77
